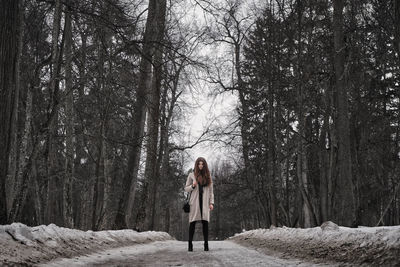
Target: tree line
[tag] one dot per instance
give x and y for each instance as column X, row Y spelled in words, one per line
column 318, row 118
column 89, row 94
column 92, row 94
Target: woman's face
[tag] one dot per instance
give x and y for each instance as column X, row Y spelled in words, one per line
column 200, row 165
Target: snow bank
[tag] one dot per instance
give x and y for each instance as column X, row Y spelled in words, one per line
column 330, row 242
column 20, row 244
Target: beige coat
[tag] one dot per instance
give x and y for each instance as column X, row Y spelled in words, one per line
column 208, row 198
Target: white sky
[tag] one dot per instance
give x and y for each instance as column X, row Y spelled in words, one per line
column 202, row 107
column 198, row 107
column 222, row 106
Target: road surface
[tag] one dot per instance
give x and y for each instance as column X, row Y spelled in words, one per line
column 174, row 253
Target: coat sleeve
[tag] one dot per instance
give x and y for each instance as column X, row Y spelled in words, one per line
column 212, row 193
column 189, row 182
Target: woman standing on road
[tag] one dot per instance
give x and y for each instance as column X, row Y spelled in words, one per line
column 201, row 199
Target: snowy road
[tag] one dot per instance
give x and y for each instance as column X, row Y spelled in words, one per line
column 174, row 253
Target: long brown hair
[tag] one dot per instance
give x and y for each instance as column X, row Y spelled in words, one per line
column 203, row 176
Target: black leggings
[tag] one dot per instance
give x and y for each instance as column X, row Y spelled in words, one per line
column 192, row 228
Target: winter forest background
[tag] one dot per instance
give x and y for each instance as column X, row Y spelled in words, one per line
column 95, row 97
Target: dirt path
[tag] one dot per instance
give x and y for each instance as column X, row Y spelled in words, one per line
column 174, row 253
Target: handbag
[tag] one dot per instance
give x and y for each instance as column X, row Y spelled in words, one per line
column 186, row 206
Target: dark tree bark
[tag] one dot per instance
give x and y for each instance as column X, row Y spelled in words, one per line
column 80, row 195
column 98, row 186
column 302, row 168
column 125, row 204
column 153, row 168
column 151, row 174
column 69, row 110
column 52, row 213
column 163, row 158
column 13, row 159
column 325, row 168
column 8, row 64
column 344, row 204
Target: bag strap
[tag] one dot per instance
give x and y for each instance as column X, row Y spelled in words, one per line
column 190, row 193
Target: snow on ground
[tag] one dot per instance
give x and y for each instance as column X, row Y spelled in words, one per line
column 328, row 244
column 20, row 244
column 377, row 246
column 174, row 253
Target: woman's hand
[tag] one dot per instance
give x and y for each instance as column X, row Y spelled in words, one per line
column 211, row 206
column 194, row 183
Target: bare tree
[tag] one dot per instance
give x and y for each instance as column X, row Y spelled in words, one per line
column 52, row 214
column 344, row 204
column 126, row 201
column 8, row 58
column 69, row 110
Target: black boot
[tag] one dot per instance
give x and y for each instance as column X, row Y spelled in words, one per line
column 191, row 234
column 205, row 234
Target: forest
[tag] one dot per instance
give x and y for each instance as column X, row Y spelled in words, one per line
column 94, row 96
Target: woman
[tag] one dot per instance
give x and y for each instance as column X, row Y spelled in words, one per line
column 201, row 199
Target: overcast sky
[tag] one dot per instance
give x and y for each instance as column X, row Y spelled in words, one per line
column 220, row 107
column 201, row 108
column 198, row 107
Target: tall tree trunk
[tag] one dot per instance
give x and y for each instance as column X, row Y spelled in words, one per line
column 37, row 195
column 324, row 168
column 244, row 124
column 8, row 64
column 158, row 60
column 106, row 71
column 23, row 161
column 327, row 148
column 28, row 152
column 162, row 163
column 271, row 158
column 125, row 204
column 152, row 171
column 164, row 151
column 25, row 166
column 108, row 214
column 332, row 163
column 79, row 188
column 52, row 212
column 13, row 158
column 151, row 174
column 302, row 171
column 344, row 197
column 69, row 110
column 162, row 166
column 287, row 174
column 98, row 189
